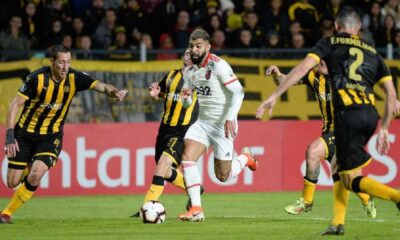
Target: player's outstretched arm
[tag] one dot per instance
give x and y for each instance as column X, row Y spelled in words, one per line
column 383, row 144
column 11, row 145
column 291, row 79
column 111, row 91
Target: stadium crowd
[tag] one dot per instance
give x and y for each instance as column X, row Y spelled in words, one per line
column 118, row 26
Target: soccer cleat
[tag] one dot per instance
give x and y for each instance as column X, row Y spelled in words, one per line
column 195, row 214
column 189, row 202
column 334, row 230
column 5, row 219
column 252, row 162
column 298, row 207
column 370, row 209
column 135, row 215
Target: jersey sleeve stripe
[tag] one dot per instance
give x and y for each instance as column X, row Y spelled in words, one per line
column 22, row 95
column 231, row 81
column 93, row 84
column 385, row 79
column 315, row 56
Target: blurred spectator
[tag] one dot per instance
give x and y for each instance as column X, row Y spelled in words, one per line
column 31, row 24
column 392, row 7
column 257, row 32
column 275, row 18
column 273, row 43
column 103, row 35
column 332, row 8
column 218, row 40
column 55, row 35
column 166, row 44
column 118, row 51
column 78, row 30
column 85, row 51
column 245, row 39
column 386, row 34
column 67, row 41
column 213, row 23
column 56, row 10
column 14, row 41
column 164, row 19
column 148, row 43
column 133, row 18
column 94, row 15
column 373, row 19
column 245, row 6
column 307, row 15
column 182, row 30
column 297, row 43
column 233, row 21
column 294, row 28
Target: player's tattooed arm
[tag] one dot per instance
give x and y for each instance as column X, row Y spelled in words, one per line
column 111, row 91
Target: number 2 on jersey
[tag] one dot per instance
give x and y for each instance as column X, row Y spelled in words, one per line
column 353, row 67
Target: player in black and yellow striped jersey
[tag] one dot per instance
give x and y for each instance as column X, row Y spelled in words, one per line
column 355, row 66
column 35, row 141
column 322, row 148
column 175, row 121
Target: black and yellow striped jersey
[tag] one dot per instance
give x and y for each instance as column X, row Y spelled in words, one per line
column 321, row 87
column 48, row 101
column 354, row 67
column 174, row 113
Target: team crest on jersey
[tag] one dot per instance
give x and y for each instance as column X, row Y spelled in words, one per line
column 66, row 89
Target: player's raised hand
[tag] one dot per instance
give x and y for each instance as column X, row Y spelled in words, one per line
column 267, row 104
column 154, row 90
column 120, row 94
column 186, row 92
column 272, row 70
column 230, row 129
column 382, row 143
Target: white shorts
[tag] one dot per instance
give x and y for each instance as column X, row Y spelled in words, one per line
column 211, row 134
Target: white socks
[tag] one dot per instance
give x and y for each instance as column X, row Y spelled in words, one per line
column 193, row 182
column 238, row 164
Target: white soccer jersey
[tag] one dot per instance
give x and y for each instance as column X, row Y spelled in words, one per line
column 210, row 81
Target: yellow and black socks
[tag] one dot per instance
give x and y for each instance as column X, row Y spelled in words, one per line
column 340, row 200
column 375, row 188
column 155, row 190
column 309, row 189
column 176, row 179
column 21, row 196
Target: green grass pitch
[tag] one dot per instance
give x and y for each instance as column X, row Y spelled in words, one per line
column 228, row 216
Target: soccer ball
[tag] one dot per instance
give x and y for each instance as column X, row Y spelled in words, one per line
column 153, row 212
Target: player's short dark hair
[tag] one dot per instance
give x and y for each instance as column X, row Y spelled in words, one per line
column 200, row 34
column 347, row 16
column 57, row 49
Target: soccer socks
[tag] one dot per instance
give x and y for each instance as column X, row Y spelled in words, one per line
column 238, row 164
column 193, row 182
column 309, row 189
column 340, row 200
column 363, row 197
column 375, row 188
column 155, row 190
column 177, row 179
column 20, row 196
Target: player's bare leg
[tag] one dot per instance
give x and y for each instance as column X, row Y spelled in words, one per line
column 316, row 152
column 193, row 151
column 25, row 190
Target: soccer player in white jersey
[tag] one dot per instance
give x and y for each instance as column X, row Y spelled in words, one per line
column 220, row 96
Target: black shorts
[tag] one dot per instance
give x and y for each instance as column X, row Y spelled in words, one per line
column 353, row 129
column 329, row 141
column 170, row 142
column 45, row 148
